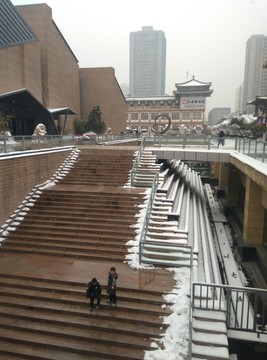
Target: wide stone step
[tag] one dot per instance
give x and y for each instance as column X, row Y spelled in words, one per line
column 136, row 315
column 82, row 214
column 88, row 203
column 95, row 236
column 13, row 351
column 125, row 304
column 84, row 222
column 90, row 333
column 66, row 253
column 92, row 322
column 97, row 182
column 88, row 209
column 75, row 288
column 75, row 231
column 53, row 245
column 92, row 193
column 86, row 240
column 69, row 344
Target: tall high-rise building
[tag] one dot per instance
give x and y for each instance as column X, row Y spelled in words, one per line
column 216, row 115
column 147, row 62
column 255, row 77
column 239, row 100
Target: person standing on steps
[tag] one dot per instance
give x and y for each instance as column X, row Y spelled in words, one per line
column 94, row 293
column 112, row 279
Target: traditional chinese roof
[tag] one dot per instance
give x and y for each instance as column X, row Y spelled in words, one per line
column 258, row 100
column 193, row 87
column 149, row 98
column 193, row 83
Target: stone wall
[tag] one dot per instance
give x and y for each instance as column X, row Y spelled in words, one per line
column 19, row 174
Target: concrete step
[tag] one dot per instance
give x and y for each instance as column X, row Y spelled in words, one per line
column 210, row 327
column 209, row 315
column 201, row 338
column 165, row 262
column 210, row 352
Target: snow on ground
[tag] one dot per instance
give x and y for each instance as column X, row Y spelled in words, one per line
column 175, row 341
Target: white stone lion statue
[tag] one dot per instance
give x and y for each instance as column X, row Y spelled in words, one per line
column 40, row 130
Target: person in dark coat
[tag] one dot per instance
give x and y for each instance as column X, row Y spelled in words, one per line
column 112, row 279
column 94, row 292
column 221, row 138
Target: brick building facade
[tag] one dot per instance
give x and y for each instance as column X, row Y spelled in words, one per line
column 49, row 70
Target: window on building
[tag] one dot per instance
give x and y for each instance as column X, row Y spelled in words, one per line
column 175, row 116
column 197, row 115
column 134, row 116
column 144, row 116
column 154, row 115
column 186, row 115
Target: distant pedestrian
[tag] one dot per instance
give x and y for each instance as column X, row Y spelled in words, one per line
column 94, row 293
column 112, row 279
column 221, row 138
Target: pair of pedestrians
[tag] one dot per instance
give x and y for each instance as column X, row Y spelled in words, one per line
column 94, row 290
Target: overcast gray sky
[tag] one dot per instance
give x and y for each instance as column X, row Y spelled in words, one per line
column 206, row 38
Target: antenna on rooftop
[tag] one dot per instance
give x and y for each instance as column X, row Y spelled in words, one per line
column 187, row 74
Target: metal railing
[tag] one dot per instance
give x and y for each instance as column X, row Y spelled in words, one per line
column 9, row 144
column 257, row 149
column 137, row 160
column 150, row 202
column 250, row 147
column 185, row 141
column 245, row 308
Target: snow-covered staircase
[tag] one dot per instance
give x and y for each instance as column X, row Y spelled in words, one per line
column 165, row 243
column 166, row 240
column 209, row 335
column 146, row 169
